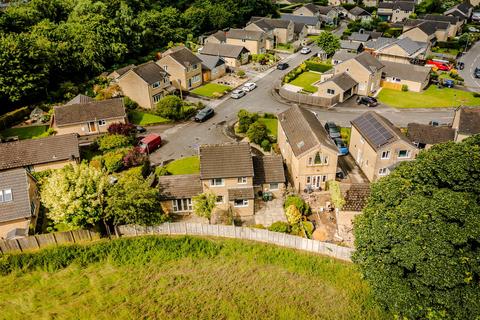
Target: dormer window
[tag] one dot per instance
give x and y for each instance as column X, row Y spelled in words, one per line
column 6, row 195
column 156, row 84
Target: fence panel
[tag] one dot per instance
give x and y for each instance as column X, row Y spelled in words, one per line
column 28, row 243
column 46, row 240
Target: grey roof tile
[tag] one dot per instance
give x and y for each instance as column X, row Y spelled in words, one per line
column 183, row 56
column 229, row 160
column 150, row 72
column 90, row 111
column 179, row 186
column 241, row 193
column 19, row 207
column 268, row 169
column 423, row 133
column 223, row 50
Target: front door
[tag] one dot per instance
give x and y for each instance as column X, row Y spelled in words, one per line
column 92, row 127
column 316, row 182
column 189, row 83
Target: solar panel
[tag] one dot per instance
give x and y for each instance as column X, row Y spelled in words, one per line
column 373, row 130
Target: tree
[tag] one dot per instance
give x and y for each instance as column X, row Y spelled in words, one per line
column 113, row 141
column 203, row 205
column 74, row 195
column 328, row 42
column 257, row 132
column 418, row 239
column 170, row 107
column 125, row 129
column 298, row 202
column 245, row 119
column 293, row 215
column 131, row 200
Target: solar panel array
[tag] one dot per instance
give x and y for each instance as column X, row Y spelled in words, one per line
column 373, row 130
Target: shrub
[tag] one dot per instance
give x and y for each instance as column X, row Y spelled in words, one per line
column 170, row 107
column 125, row 129
column 241, row 73
column 245, row 119
column 476, row 95
column 257, row 132
column 280, row 226
column 404, row 88
column 266, row 145
column 113, row 161
column 293, row 215
column 298, row 202
column 269, row 116
column 130, row 104
column 258, row 226
column 161, row 171
column 318, row 67
column 112, row 141
column 11, row 118
column 134, row 158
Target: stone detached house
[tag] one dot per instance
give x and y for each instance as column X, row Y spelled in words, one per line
column 312, row 24
column 86, row 117
column 217, row 37
column 281, row 31
column 308, row 10
column 462, row 10
column 234, row 56
column 455, row 23
column 308, row 152
column 396, row 75
column 466, row 122
column 426, row 30
column 255, row 41
column 395, row 11
column 184, row 68
column 358, row 13
column 404, row 50
column 378, row 146
column 213, row 67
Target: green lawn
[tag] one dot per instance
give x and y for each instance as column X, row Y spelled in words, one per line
column 305, row 80
column 182, row 278
column 430, row 98
column 187, row 165
column 285, row 47
column 453, row 52
column 271, row 125
column 211, row 90
column 25, row 132
column 144, row 118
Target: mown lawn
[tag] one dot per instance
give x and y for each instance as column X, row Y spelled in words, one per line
column 433, row 97
column 183, row 278
column 25, row 132
column 271, row 125
column 145, row 119
column 305, row 80
column 211, row 90
column 187, row 165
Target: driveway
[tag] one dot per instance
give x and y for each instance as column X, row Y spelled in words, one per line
column 471, row 60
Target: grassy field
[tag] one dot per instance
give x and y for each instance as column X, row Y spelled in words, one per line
column 25, row 132
column 211, row 90
column 305, row 80
column 187, row 165
column 271, row 124
column 430, row 98
column 145, row 119
column 181, row 278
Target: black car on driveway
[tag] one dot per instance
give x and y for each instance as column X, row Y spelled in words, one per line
column 332, row 130
column 282, row 66
column 368, row 101
column 204, row 114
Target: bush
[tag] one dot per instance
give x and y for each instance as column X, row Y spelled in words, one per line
column 266, row 145
column 298, row 202
column 280, row 226
column 241, row 73
column 112, row 141
column 269, row 116
column 476, row 95
column 161, row 171
column 170, row 107
column 257, row 132
column 125, row 129
column 113, row 161
column 245, row 119
column 404, row 88
column 130, row 104
column 134, row 158
column 258, row 226
column 14, row 117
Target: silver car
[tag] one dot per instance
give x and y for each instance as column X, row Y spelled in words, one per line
column 237, row 94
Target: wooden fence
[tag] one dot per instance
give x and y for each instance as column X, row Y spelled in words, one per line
column 261, row 235
column 47, row 240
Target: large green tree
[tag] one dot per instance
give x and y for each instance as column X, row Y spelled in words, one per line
column 418, row 239
column 328, row 42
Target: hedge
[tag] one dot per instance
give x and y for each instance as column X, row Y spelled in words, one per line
column 12, row 118
column 318, row 67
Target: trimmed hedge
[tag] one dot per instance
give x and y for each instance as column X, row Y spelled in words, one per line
column 318, row 67
column 12, row 118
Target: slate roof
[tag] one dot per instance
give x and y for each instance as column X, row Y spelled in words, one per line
column 357, row 11
column 241, row 193
column 423, row 133
column 229, row 160
column 19, row 207
column 439, row 17
column 309, row 21
column 379, row 43
column 80, row 98
column 303, row 130
column 377, row 130
column 311, row 7
column 342, row 55
column 245, row 34
column 268, row 169
column 344, row 81
column 92, row 111
column 298, row 27
column 401, row 5
column 325, row 9
column 179, row 186
column 183, row 56
column 406, row 71
column 374, row 34
column 150, row 72
column 356, row 197
column 24, row 153
column 210, row 62
column 223, row 50
column 350, row 45
column 269, row 24
column 460, row 10
column 124, row 70
column 220, row 36
column 429, row 27
column 369, row 62
column 408, row 45
column 469, row 122
column 357, row 36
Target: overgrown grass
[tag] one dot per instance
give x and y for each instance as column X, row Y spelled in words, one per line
column 181, row 278
column 305, row 81
column 211, row 90
column 187, row 165
column 145, row 119
column 271, row 125
column 25, row 132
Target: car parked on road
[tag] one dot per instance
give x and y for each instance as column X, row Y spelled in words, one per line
column 204, row 114
column 368, row 101
column 150, row 143
column 448, row 83
column 332, row 130
column 476, row 73
column 237, row 94
column 249, row 86
column 140, row 129
column 305, row 50
column 460, row 66
column 342, row 147
column 282, row 66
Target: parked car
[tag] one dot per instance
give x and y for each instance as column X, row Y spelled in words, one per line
column 448, row 83
column 140, row 129
column 282, row 66
column 461, row 66
column 249, row 86
column 342, row 147
column 332, row 130
column 476, row 73
column 305, row 50
column 476, row 16
column 438, row 123
column 237, row 94
column 150, row 143
column 204, row 114
column 368, row 101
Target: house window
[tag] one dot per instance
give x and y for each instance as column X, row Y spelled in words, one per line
column 404, row 154
column 319, row 159
column 274, row 186
column 362, row 140
column 382, row 172
column 242, row 180
column 102, row 123
column 330, row 91
column 386, row 154
column 156, row 84
column 219, row 200
column 240, row 203
column 195, row 78
column 33, row 207
column 6, row 195
column 182, row 205
column 166, row 80
column 217, row 182
column 157, row 97
column 396, row 79
column 165, row 68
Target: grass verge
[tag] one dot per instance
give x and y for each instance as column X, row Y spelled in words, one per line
column 187, row 165
column 181, row 278
column 211, row 90
column 25, row 132
column 305, row 81
column 145, row 119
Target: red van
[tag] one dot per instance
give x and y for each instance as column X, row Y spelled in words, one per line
column 150, row 143
column 442, row 65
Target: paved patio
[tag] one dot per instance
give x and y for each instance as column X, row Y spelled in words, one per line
column 270, row 212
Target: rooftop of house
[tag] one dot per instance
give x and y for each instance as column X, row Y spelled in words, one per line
column 210, row 62
column 179, row 186
column 342, row 55
column 223, row 50
column 182, row 55
column 397, row 5
column 368, row 61
column 379, row 43
column 268, row 24
column 219, row 35
column 351, row 45
column 344, row 81
column 24, row 153
column 16, row 182
column 229, row 160
column 80, row 98
column 150, row 72
column 358, row 12
column 377, row 130
column 268, row 169
column 427, row 134
column 307, row 20
column 242, row 34
column 439, row 17
column 91, row 111
column 374, row 34
column 406, row 71
column 469, row 122
column 298, row 27
column 429, row 27
column 311, row 7
column 408, row 45
column 463, row 8
column 359, row 36
column 356, row 197
column 123, row 70
column 325, row 9
column 303, row 130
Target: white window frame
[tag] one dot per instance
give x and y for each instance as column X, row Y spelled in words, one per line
column 213, row 182
column 157, row 97
column 404, row 157
column 6, row 193
column 156, row 84
column 176, row 202
column 382, row 171
column 102, row 123
column 243, row 205
column 385, row 155
column 242, row 180
column 196, row 78
column 272, row 184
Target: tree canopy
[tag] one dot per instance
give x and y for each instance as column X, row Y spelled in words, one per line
column 418, row 239
column 328, row 42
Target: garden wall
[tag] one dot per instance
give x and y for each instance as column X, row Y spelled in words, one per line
column 305, row 98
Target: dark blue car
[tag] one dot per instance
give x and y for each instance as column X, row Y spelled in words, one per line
column 342, row 147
